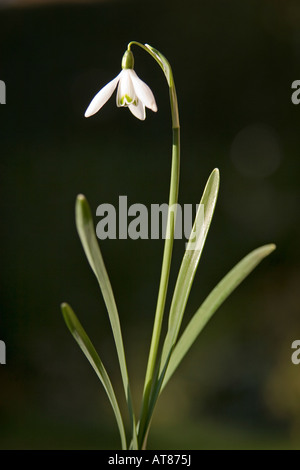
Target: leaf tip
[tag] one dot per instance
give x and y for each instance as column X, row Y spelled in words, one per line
column 216, row 174
column 68, row 315
column 65, row 309
column 271, row 247
column 268, row 248
column 83, row 211
column 265, row 250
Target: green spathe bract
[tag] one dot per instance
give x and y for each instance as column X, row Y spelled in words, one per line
column 161, row 367
column 127, row 60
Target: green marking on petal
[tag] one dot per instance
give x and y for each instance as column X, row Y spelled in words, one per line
column 125, row 100
column 128, row 99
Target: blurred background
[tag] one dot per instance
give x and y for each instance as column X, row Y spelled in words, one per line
column 233, row 63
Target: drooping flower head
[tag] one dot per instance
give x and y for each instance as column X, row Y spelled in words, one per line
column 132, row 91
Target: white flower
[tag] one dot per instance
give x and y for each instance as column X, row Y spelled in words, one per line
column 132, row 92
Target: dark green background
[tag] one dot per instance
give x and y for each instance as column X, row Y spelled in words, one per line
column 233, row 63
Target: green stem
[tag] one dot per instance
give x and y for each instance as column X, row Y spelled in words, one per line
column 168, row 248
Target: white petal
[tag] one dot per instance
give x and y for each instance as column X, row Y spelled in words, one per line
column 125, row 89
column 143, row 92
column 138, row 110
column 102, row 96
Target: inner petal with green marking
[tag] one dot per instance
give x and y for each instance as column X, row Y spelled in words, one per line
column 126, row 100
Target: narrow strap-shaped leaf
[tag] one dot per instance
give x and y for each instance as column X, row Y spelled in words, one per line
column 190, row 262
column 92, row 356
column 183, row 285
column 86, row 231
column 220, row 293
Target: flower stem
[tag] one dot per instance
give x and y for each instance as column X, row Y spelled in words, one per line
column 168, row 248
column 163, row 287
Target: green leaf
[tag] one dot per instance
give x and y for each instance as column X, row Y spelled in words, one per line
column 220, row 293
column 184, row 283
column 91, row 354
column 86, row 231
column 190, row 263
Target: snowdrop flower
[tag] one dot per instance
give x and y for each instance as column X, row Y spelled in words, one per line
column 132, row 91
